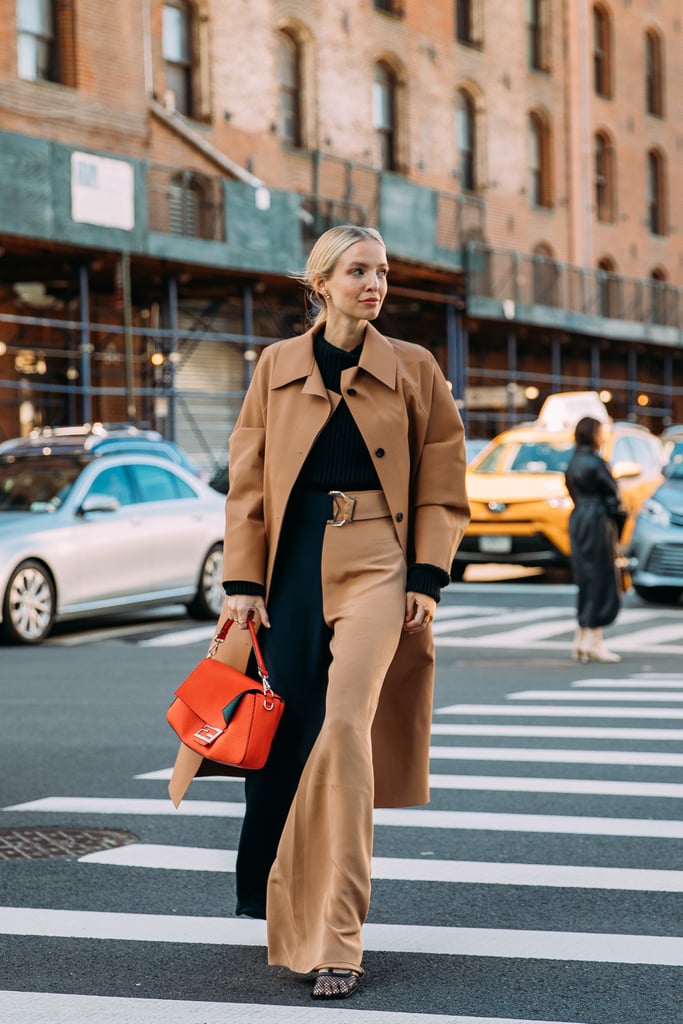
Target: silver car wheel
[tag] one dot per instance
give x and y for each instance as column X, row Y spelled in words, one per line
column 208, row 601
column 29, row 604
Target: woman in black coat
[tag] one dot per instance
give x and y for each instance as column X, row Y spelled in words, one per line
column 594, row 528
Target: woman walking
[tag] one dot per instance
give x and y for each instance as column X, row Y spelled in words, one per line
column 595, row 524
column 346, row 504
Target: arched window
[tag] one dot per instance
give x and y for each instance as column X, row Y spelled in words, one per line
column 654, row 74
column 602, row 52
column 659, row 296
column 605, row 188
column 177, row 49
column 36, row 40
column 384, row 116
column 608, row 288
column 656, row 193
column 289, row 84
column 539, row 160
column 546, row 275
column 538, row 34
column 466, row 140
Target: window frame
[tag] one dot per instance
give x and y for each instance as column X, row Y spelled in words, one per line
column 654, row 73
column 385, row 134
column 469, row 27
column 540, row 145
column 605, row 178
column 467, row 156
column 656, row 193
column 292, row 91
column 539, row 35
column 602, row 52
column 181, row 68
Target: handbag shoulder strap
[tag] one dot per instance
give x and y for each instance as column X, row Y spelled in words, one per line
column 223, row 632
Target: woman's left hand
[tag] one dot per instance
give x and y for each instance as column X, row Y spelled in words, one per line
column 419, row 612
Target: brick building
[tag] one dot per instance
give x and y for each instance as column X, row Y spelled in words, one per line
column 164, row 165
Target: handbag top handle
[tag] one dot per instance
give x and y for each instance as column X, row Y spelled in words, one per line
column 223, row 632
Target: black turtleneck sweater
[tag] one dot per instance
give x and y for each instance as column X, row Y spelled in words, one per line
column 339, row 460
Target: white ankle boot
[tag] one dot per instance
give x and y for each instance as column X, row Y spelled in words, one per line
column 577, row 649
column 594, row 648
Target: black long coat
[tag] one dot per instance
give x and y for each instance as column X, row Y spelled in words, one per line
column 594, row 527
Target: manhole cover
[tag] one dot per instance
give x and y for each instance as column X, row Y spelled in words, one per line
column 36, row 843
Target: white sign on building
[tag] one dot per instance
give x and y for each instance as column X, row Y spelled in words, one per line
column 102, row 191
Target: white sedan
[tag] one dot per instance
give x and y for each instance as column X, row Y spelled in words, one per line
column 83, row 536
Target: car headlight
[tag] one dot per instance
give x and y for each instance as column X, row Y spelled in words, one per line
column 564, row 502
column 654, row 512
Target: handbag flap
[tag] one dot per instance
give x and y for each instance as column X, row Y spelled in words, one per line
column 211, row 687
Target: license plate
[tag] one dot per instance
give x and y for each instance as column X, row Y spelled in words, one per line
column 496, row 545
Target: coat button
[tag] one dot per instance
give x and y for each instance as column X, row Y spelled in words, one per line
column 399, row 517
column 351, row 391
column 379, row 452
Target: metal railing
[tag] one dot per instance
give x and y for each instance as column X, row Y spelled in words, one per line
column 533, row 280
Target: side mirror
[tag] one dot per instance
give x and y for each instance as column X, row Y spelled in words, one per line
column 620, row 470
column 99, row 503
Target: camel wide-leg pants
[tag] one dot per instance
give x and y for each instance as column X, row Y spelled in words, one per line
column 319, row 885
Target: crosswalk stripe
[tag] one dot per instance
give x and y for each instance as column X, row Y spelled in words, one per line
column 522, row 784
column 506, row 618
column 633, row 684
column 554, row 756
column 390, row 817
column 562, row 876
column 549, row 711
column 627, row 695
column 32, row 1007
column 583, row 947
column 558, row 732
column 585, row 787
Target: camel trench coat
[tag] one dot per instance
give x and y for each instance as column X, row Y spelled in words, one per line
column 406, row 414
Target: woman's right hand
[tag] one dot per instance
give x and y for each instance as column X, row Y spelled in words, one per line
column 241, row 607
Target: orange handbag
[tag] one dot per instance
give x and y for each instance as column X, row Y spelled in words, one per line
column 224, row 715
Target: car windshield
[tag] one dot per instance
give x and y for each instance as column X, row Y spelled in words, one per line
column 36, row 485
column 527, row 457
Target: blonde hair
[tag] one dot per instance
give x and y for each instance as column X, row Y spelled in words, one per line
column 323, row 259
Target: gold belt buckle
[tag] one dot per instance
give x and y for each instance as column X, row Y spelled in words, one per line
column 342, row 508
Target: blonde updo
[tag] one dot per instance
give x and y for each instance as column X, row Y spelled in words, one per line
column 323, row 259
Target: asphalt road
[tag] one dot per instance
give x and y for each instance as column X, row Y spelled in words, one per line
column 543, row 883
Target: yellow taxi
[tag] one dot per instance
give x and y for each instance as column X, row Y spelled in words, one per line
column 518, row 500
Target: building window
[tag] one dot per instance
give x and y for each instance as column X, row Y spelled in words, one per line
column 289, row 84
column 654, row 74
column 466, row 139
column 468, row 22
column 656, row 192
column 539, row 160
column 538, row 34
column 605, row 191
column 384, row 116
column 608, row 288
column 602, row 52
column 394, row 7
column 36, row 41
column 177, row 45
column 546, row 274
column 659, row 296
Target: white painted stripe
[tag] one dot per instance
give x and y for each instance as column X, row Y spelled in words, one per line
column 558, row 876
column 505, row 588
column 164, row 774
column 585, row 787
column 531, row 754
column 508, row 617
column 181, row 638
column 567, row 732
column 517, row 640
column 455, row 611
column 584, row 947
column 573, row 695
column 655, row 635
column 503, row 783
column 634, row 684
column 36, row 1007
column 550, row 711
column 400, row 817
